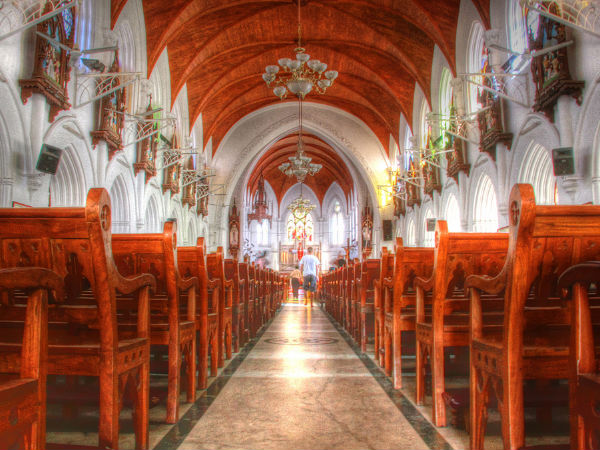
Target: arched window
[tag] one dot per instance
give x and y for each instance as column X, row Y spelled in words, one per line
column 445, row 102
column 536, row 170
column 428, row 236
column 423, row 126
column 485, row 213
column 300, row 230
column 520, row 21
column 406, row 155
column 475, row 61
column 411, row 234
column 452, row 214
column 517, row 26
column 336, row 225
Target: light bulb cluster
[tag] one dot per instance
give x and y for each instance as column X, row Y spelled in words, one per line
column 300, row 165
column 299, row 76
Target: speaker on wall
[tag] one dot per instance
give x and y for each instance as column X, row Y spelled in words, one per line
column 49, row 158
column 563, row 161
column 388, row 234
column 431, row 224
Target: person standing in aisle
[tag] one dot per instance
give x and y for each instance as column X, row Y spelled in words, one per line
column 309, row 265
column 296, row 278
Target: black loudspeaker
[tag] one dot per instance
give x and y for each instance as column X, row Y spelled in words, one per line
column 388, row 234
column 49, row 158
column 563, row 161
column 431, row 224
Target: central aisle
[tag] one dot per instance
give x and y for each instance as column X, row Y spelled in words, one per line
column 302, row 387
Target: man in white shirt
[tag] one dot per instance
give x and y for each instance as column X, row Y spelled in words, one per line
column 309, row 265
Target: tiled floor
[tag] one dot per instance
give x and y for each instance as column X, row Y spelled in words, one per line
column 302, row 387
column 301, row 384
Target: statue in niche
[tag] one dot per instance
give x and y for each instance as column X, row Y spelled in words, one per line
column 367, row 231
column 550, row 72
column 189, row 192
column 111, row 118
column 51, row 69
column 173, row 172
column 147, row 147
column 490, row 117
column 234, row 231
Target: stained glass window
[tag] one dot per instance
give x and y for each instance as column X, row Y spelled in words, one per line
column 300, row 230
column 68, row 21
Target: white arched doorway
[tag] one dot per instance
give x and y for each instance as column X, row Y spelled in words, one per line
column 452, row 214
column 536, row 170
column 485, row 206
column 67, row 186
column 120, row 206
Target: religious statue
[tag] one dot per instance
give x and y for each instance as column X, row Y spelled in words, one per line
column 51, row 69
column 111, row 117
column 367, row 231
column 550, row 72
column 234, row 231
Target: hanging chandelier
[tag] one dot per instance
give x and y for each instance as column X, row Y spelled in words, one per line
column 299, row 76
column 300, row 165
column 300, row 208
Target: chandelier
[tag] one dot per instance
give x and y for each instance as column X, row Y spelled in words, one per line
column 299, row 76
column 300, row 208
column 300, row 165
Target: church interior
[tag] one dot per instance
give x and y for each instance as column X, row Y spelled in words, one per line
column 167, row 168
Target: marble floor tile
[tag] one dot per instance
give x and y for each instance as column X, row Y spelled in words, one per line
column 302, row 387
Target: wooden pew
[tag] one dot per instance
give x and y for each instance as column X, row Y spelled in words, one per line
column 399, row 303
column 354, row 301
column 245, row 299
column 366, row 301
column 192, row 263
column 349, row 292
column 261, row 298
column 232, row 272
column 252, row 300
column 23, row 395
column 585, row 376
column 83, row 336
column 216, row 269
column 156, row 253
column 534, row 341
column 456, row 256
column 247, row 271
column 386, row 271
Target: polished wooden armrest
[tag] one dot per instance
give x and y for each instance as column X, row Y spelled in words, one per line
column 213, row 283
column 127, row 286
column 388, row 282
column 32, row 278
column 584, row 273
column 426, row 285
column 185, row 284
column 487, row 284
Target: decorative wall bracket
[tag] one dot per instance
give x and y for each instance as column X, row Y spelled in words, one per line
column 96, row 86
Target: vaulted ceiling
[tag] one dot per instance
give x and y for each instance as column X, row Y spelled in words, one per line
column 334, row 169
column 381, row 49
